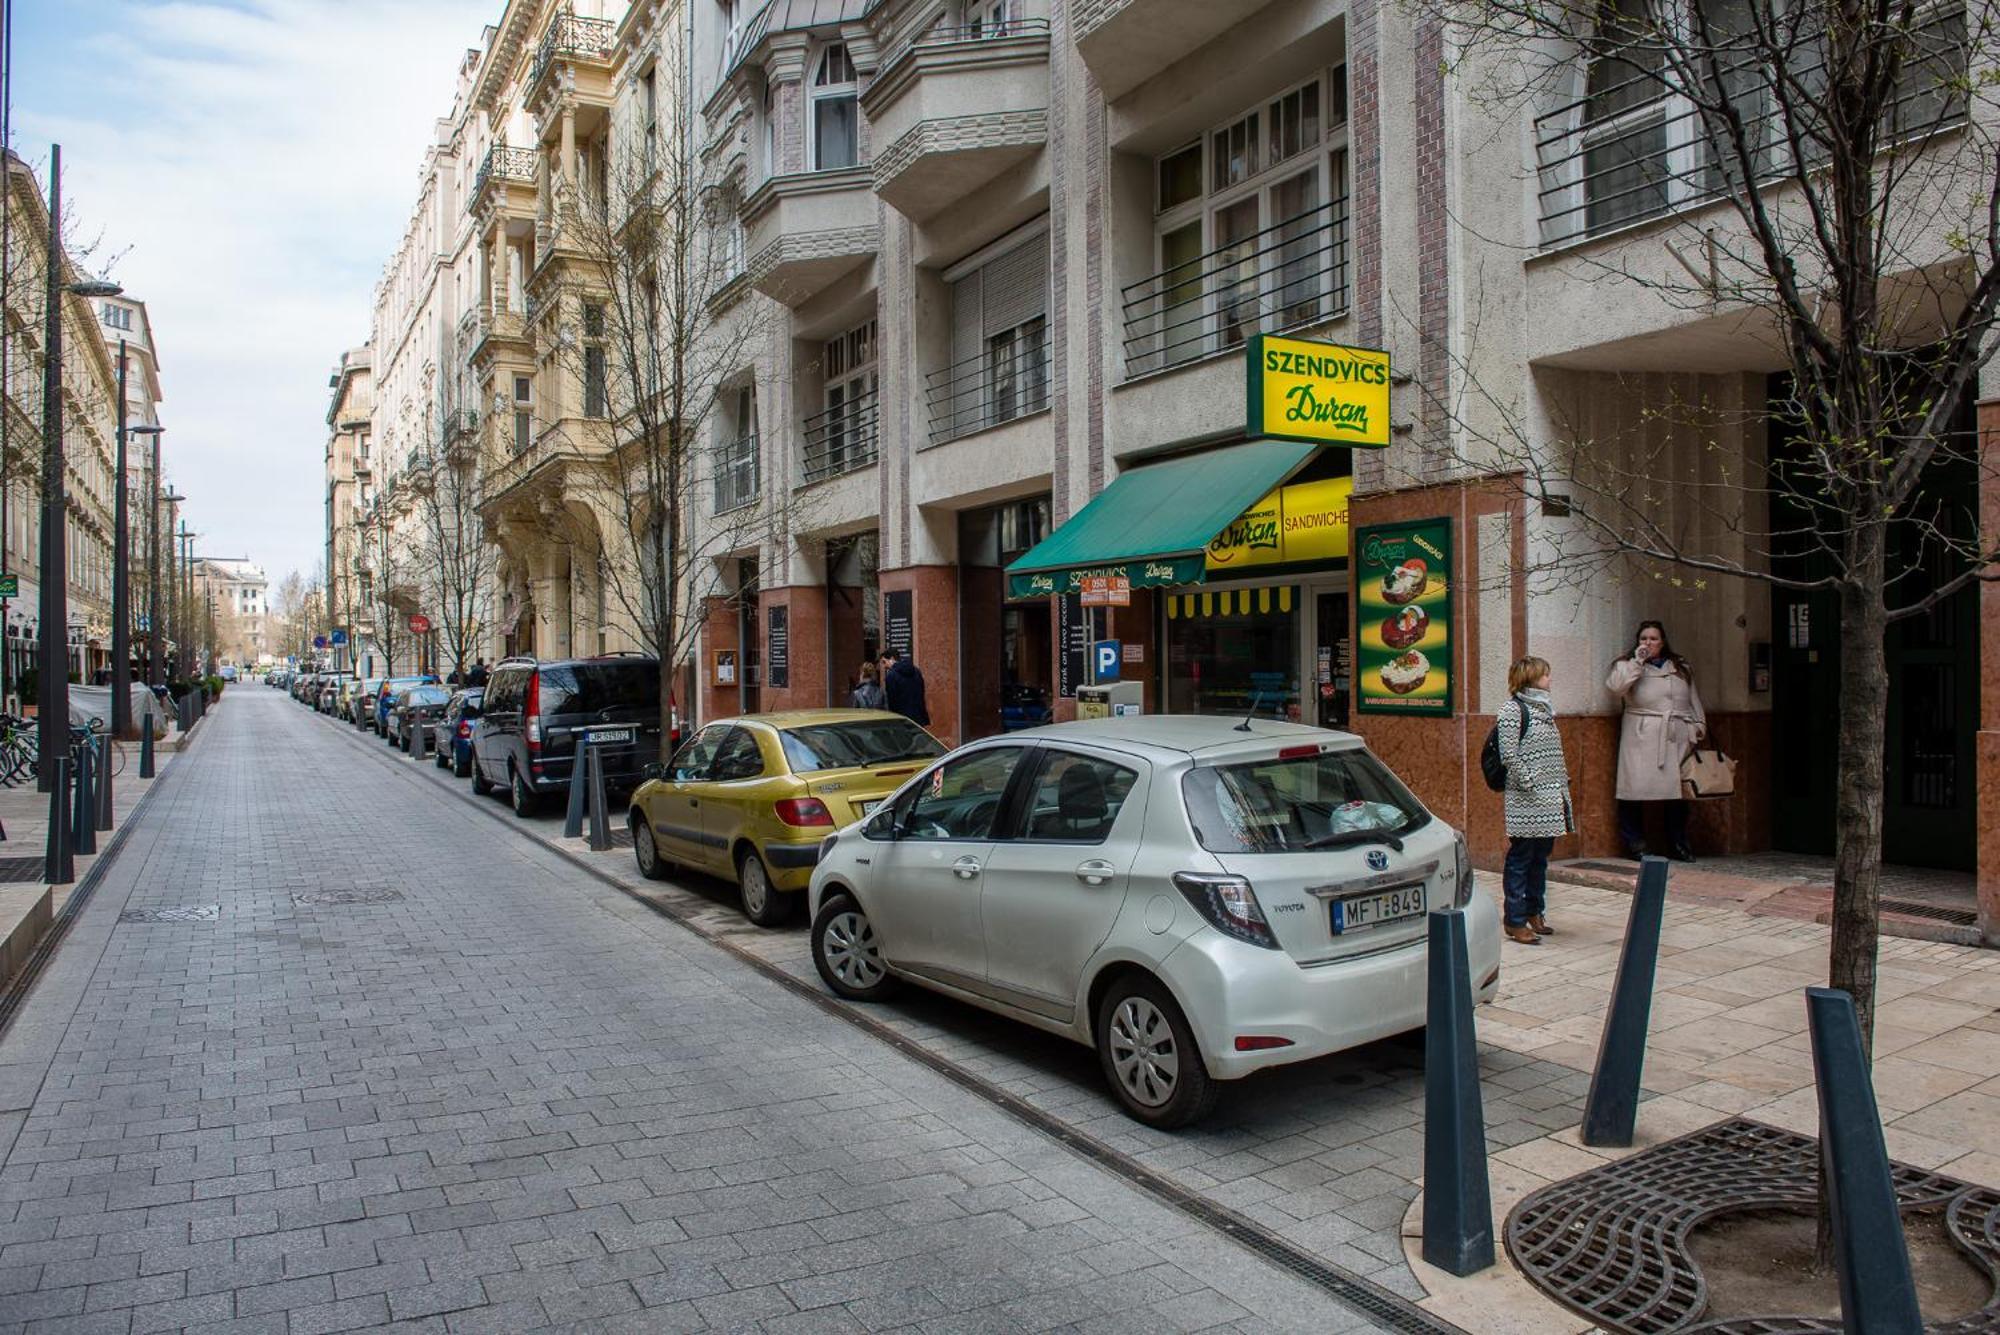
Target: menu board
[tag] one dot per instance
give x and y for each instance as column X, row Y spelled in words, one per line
column 1402, row 577
column 778, row 646
column 1072, row 644
column 899, row 625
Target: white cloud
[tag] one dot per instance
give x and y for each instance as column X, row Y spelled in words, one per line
column 260, row 161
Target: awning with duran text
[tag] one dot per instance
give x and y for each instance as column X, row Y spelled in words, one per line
column 1152, row 524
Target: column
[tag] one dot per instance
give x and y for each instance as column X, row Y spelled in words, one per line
column 1986, row 778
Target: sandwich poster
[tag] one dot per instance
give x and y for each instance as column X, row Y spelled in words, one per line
column 1402, row 601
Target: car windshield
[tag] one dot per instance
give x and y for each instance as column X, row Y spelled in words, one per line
column 875, row 741
column 587, row 688
column 1298, row 803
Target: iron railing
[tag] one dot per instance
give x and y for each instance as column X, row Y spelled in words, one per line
column 841, row 439
column 1292, row 273
column 1000, row 384
column 460, row 423
column 735, row 473
column 569, row 35
column 1649, row 151
column 502, row 163
column 952, row 34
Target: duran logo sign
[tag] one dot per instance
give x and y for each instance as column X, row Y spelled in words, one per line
column 1322, row 392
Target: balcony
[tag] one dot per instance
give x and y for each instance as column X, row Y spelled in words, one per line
column 500, row 168
column 999, row 385
column 806, row 230
column 736, row 474
column 842, row 439
column 1126, row 42
column 585, row 45
column 956, row 107
column 1290, row 275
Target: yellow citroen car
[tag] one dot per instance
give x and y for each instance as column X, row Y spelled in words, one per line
column 750, row 798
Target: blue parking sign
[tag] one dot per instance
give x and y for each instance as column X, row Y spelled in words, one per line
column 1105, row 656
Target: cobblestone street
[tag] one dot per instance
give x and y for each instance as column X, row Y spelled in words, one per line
column 397, row 1063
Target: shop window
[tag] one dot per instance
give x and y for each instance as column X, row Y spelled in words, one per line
column 1234, row 651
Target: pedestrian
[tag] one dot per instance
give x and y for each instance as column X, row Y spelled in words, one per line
column 476, row 677
column 1537, row 797
column 868, row 690
column 1664, row 720
column 903, row 688
column 454, row 678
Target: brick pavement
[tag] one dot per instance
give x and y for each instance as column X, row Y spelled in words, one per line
column 495, row 1095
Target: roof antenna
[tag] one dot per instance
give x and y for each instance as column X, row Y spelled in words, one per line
column 1256, row 698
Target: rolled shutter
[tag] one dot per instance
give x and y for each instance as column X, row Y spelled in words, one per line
column 1015, row 287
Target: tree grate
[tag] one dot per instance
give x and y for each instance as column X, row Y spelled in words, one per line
column 1612, row 1244
column 325, row 898
column 177, row 913
column 22, row 871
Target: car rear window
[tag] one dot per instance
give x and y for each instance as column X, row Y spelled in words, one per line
column 588, row 688
column 1304, row 802
column 428, row 695
column 875, row 741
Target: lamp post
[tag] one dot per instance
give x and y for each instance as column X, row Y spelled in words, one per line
column 156, row 659
column 121, row 569
column 187, row 597
column 172, row 627
column 52, row 703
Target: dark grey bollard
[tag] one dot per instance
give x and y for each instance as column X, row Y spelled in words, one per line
column 1877, row 1294
column 83, row 811
column 1612, row 1111
column 1458, row 1203
column 146, row 749
column 59, row 863
column 600, row 826
column 579, row 781
column 420, row 740
column 102, row 764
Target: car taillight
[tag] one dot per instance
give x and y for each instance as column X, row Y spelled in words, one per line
column 532, row 710
column 803, row 811
column 1229, row 904
column 1464, row 852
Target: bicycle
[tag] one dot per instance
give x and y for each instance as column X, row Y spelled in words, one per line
column 19, row 750
column 83, row 735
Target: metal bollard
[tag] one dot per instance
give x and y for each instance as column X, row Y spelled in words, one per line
column 1612, row 1110
column 1877, row 1294
column 102, row 763
column 578, row 784
column 1458, row 1202
column 146, row 749
column 420, row 740
column 59, row 863
column 600, row 825
column 83, row 811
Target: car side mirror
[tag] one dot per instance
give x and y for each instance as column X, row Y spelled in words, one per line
column 653, row 771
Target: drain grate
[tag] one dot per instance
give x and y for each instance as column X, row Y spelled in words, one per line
column 1611, row 1244
column 323, row 898
column 1937, row 912
column 178, row 913
column 21, row 871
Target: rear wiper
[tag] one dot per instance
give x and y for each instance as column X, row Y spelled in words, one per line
column 1349, row 838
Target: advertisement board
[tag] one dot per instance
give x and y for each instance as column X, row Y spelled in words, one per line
column 1324, row 392
column 1403, row 617
column 1305, row 522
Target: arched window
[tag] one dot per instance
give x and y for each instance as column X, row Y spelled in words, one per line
column 836, row 129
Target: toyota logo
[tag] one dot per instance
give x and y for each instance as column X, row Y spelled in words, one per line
column 1378, row 860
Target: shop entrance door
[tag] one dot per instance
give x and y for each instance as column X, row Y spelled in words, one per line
column 1332, row 659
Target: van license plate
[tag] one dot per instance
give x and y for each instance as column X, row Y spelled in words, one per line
column 604, row 735
column 1405, row 901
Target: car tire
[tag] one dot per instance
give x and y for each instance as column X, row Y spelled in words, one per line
column 763, row 903
column 521, row 795
column 651, row 865
column 845, row 953
column 481, row 786
column 1149, row 1055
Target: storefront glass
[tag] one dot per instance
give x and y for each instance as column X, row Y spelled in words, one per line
column 1232, row 650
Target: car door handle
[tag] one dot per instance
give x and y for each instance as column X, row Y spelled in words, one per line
column 965, row 868
column 1095, row 872
column 694, row 801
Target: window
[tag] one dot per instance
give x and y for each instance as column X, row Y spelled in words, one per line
column 1624, row 119
column 595, row 365
column 846, row 430
column 960, row 799
column 1076, row 799
column 692, row 762
column 992, row 18
column 999, row 344
column 737, row 758
column 524, row 417
column 1274, row 806
column 836, row 135
column 117, row 317
column 826, row 746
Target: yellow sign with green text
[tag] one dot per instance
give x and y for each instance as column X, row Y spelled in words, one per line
column 1300, row 390
column 1306, row 521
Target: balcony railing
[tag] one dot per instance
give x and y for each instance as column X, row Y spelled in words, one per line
column 1292, row 273
column 461, row 424
column 569, row 35
column 1004, row 382
column 502, row 163
column 841, row 439
column 951, row 34
column 1632, row 151
column 736, row 473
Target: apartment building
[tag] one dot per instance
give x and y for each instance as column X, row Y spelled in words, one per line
column 233, row 594
column 350, row 481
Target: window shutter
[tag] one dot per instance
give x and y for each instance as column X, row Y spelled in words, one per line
column 1016, row 287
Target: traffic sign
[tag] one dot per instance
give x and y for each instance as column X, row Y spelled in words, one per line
column 419, row 624
column 338, row 637
column 1105, row 658
column 319, row 641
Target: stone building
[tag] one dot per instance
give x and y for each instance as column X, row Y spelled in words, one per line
column 350, row 483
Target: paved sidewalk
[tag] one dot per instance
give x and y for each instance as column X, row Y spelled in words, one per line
column 416, row 1071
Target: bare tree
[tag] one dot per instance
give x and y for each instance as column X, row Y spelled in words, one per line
column 391, row 568
column 454, row 556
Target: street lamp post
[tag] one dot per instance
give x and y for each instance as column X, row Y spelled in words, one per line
column 121, row 570
column 52, row 702
column 156, row 659
column 187, row 595
column 172, row 500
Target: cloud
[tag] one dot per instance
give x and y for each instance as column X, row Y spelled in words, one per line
column 256, row 163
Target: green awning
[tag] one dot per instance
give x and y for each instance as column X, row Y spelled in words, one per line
column 1152, row 524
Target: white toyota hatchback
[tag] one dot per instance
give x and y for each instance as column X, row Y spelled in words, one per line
column 1195, row 899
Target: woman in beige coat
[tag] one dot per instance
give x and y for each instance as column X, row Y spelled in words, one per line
column 1664, row 720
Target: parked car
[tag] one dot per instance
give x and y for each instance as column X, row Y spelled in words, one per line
column 535, row 712
column 384, row 697
column 413, row 711
column 1195, row 901
column 361, row 705
column 751, row 798
column 227, row 672
column 453, row 742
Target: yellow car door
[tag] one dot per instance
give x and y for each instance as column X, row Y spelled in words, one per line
column 674, row 805
column 735, row 798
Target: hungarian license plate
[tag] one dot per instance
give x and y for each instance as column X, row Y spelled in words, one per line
column 602, row 736
column 863, row 808
column 1372, row 910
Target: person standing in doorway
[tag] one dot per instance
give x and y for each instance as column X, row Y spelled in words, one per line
column 1537, row 798
column 1664, row 720
column 903, row 688
column 868, row 690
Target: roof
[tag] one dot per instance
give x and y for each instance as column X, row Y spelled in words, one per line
column 794, row 16
column 1189, row 734
column 806, row 718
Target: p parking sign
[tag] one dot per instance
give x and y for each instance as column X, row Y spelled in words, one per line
column 1105, row 657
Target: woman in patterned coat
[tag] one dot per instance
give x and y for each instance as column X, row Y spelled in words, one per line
column 1538, row 805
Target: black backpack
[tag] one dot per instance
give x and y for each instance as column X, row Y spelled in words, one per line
column 1490, row 764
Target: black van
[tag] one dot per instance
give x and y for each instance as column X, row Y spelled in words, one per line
column 535, row 713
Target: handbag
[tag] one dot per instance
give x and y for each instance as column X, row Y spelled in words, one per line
column 1707, row 773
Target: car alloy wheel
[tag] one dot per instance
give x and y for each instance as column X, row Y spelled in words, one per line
column 761, row 904
column 1144, row 1053
column 846, row 953
column 648, row 852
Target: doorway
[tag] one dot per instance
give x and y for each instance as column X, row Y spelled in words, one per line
column 1333, row 652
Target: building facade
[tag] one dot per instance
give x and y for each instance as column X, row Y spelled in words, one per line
column 233, row 595
column 350, row 480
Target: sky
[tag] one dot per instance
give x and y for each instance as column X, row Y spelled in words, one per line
column 251, row 164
